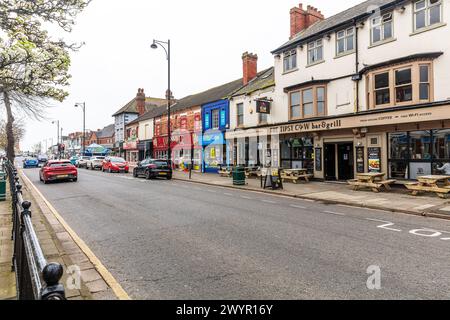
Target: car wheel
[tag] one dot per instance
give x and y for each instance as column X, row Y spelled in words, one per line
column 109, row 170
column 169, row 177
column 135, row 175
column 45, row 181
column 148, row 175
column 75, row 180
column 127, row 172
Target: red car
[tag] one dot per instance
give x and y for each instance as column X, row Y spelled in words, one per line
column 55, row 170
column 115, row 164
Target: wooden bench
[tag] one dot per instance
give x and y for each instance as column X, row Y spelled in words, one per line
column 225, row 173
column 376, row 186
column 417, row 188
column 296, row 178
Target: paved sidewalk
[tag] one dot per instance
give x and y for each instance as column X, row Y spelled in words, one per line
column 398, row 200
column 7, row 278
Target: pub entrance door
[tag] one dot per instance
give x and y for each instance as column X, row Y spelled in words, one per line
column 339, row 163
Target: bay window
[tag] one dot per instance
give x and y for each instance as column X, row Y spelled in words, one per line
column 401, row 85
column 309, row 102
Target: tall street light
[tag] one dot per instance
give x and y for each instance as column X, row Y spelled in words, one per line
column 57, row 130
column 83, row 107
column 166, row 46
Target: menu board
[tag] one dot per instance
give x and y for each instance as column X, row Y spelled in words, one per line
column 360, row 160
column 318, row 159
column 374, row 159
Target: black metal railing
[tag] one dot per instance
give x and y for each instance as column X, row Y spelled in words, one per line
column 36, row 279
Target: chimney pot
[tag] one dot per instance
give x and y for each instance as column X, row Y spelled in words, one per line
column 302, row 19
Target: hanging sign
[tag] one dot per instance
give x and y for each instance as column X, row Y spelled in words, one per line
column 263, row 106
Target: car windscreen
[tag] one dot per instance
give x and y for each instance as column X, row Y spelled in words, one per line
column 97, row 158
column 117, row 160
column 60, row 165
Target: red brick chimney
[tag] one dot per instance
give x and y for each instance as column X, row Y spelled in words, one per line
column 250, row 66
column 303, row 19
column 140, row 101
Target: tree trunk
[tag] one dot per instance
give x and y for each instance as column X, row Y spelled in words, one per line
column 10, row 152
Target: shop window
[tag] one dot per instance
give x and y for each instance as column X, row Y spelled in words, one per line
column 424, row 86
column 215, row 115
column 427, row 13
column 298, row 153
column 382, row 28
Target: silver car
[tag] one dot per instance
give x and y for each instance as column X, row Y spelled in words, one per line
column 82, row 162
column 95, row 162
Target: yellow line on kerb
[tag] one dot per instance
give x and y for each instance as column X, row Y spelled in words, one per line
column 106, row 275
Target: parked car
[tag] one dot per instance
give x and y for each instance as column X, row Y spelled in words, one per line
column 73, row 160
column 30, row 163
column 153, row 168
column 82, row 162
column 115, row 164
column 55, row 170
column 95, row 162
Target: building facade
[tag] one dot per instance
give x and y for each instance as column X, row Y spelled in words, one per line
column 364, row 90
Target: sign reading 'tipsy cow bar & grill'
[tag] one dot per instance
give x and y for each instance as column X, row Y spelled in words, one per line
column 311, row 126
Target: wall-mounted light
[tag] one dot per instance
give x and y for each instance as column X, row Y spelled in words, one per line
column 329, row 36
column 402, row 9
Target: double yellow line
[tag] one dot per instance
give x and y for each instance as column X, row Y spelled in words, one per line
column 101, row 269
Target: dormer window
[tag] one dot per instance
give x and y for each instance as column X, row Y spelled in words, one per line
column 427, row 13
column 345, row 41
column 315, row 52
column 290, row 60
column 382, row 28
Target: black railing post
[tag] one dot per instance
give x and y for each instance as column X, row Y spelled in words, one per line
column 53, row 290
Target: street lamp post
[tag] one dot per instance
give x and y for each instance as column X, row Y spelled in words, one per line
column 166, row 46
column 83, row 107
column 57, row 133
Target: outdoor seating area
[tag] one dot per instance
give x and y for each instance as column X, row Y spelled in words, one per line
column 432, row 184
column 295, row 175
column 374, row 181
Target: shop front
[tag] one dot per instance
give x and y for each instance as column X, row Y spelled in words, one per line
column 145, row 149
column 214, row 151
column 403, row 143
column 131, row 151
column 186, row 148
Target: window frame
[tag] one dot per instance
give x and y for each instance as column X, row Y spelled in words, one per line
column 313, row 47
column 415, row 78
column 381, row 24
column 427, row 10
column 291, row 58
column 215, row 112
column 315, row 102
column 239, row 115
column 345, row 37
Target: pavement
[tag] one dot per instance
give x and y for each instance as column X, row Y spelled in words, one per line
column 180, row 240
column 7, row 278
column 397, row 200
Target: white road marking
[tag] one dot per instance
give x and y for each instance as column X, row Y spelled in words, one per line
column 247, row 198
column 228, row 194
column 297, row 207
column 386, row 225
column 268, row 201
column 335, row 213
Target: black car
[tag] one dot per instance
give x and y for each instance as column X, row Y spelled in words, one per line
column 151, row 168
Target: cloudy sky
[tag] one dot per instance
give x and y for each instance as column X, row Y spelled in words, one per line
column 208, row 38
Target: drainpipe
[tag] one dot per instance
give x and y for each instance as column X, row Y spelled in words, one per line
column 356, row 108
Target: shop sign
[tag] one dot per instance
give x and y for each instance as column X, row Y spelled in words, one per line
column 263, row 106
column 360, row 160
column 374, row 159
column 131, row 145
column 311, row 126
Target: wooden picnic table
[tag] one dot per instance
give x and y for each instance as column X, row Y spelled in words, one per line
column 295, row 175
column 439, row 184
column 252, row 171
column 226, row 172
column 372, row 180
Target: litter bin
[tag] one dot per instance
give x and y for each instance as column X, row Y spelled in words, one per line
column 239, row 176
column 2, row 186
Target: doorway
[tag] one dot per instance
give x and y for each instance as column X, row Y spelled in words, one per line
column 339, row 162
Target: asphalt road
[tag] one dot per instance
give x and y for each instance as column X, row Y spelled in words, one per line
column 175, row 240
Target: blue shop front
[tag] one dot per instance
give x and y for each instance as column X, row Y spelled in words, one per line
column 216, row 120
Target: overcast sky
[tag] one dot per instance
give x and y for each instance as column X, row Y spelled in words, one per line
column 208, row 39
